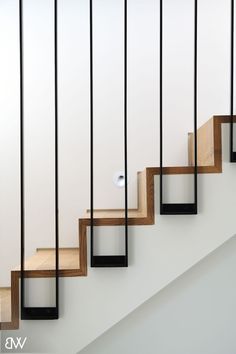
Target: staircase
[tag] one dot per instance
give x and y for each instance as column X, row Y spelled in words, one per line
column 73, row 261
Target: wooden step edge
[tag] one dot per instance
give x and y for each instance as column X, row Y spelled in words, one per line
column 108, row 214
column 50, row 273
column 183, row 170
column 111, row 210
column 52, row 248
column 142, row 193
column 119, row 221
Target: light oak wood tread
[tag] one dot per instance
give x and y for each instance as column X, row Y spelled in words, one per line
column 44, row 259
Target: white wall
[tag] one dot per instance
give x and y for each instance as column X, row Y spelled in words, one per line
column 195, row 314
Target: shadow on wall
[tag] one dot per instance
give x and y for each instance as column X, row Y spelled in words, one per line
column 195, row 314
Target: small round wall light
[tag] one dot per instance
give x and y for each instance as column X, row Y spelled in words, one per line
column 119, row 179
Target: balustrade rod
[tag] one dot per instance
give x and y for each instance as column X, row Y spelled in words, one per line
column 108, row 260
column 178, row 208
column 232, row 152
column 38, row 313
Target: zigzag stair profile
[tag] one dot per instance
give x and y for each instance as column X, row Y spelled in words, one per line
column 73, row 261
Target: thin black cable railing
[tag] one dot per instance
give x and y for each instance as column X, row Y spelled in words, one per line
column 179, row 208
column 36, row 313
column 108, row 260
column 232, row 152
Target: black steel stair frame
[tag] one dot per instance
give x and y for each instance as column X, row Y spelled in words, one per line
column 108, row 260
column 37, row 313
column 178, row 208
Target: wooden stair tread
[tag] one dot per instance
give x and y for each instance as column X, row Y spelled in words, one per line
column 5, row 304
column 115, row 213
column 44, row 259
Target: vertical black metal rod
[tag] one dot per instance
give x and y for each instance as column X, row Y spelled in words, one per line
column 38, row 312
column 125, row 126
column 161, row 99
column 91, row 133
column 22, row 181
column 56, row 151
column 232, row 82
column 179, row 208
column 195, row 96
column 108, row 260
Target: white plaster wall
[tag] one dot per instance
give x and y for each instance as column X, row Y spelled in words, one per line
column 195, row 314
